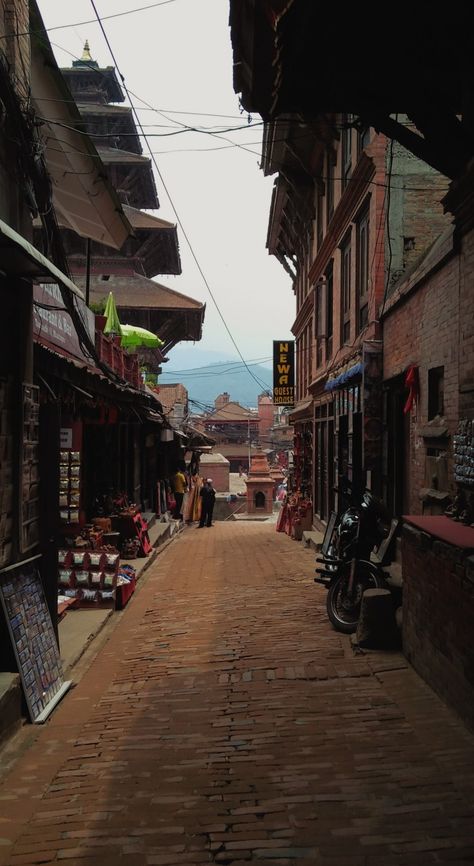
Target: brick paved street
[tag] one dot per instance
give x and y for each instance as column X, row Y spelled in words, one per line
column 225, row 721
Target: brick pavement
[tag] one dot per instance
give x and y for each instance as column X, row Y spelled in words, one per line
column 224, row 721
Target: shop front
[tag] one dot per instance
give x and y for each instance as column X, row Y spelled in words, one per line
column 348, row 432
column 301, row 476
column 91, row 473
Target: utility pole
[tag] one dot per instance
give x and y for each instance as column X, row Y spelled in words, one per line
column 248, row 423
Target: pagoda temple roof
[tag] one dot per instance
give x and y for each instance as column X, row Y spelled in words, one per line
column 107, row 123
column 138, row 292
column 155, row 243
column 170, row 314
column 230, row 412
column 132, row 175
column 82, row 79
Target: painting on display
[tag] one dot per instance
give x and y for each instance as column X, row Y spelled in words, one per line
column 33, row 638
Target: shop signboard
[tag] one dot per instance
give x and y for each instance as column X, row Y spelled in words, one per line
column 284, row 372
column 52, row 323
column 65, row 437
column 33, row 638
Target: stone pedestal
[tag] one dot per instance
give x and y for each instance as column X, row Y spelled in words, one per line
column 260, row 486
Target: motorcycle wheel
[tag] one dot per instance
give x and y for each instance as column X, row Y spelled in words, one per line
column 344, row 612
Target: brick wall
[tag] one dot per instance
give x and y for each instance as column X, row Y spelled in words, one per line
column 219, row 472
column 466, row 327
column 424, row 330
column 438, row 612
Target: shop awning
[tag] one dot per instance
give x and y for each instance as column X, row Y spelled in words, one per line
column 83, row 197
column 301, row 411
column 197, row 439
column 22, row 259
column 345, row 378
column 151, row 415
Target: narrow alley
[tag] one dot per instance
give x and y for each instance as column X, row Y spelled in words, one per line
column 224, row 721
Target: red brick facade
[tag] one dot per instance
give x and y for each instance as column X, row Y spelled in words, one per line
column 438, row 609
column 421, row 328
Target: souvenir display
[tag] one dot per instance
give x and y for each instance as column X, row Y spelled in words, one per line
column 93, row 578
column 33, row 640
column 69, row 486
column 29, row 469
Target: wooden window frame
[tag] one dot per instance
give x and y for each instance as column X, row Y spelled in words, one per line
column 346, row 151
column 330, row 187
column 346, row 266
column 329, row 275
column 362, row 269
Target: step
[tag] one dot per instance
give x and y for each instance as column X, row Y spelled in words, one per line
column 10, row 705
column 160, row 533
column 394, row 570
column 313, row 538
column 150, row 518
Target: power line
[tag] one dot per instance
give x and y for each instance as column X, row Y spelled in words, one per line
column 159, row 110
column 115, row 135
column 207, row 371
column 91, row 20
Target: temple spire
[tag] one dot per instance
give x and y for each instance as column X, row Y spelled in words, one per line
column 86, row 54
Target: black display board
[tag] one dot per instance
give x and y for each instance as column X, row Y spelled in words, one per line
column 33, row 638
column 284, row 372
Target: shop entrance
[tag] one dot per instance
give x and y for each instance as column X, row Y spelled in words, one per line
column 101, row 466
column 396, row 448
column 324, row 466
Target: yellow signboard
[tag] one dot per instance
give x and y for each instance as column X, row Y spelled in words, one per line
column 284, row 372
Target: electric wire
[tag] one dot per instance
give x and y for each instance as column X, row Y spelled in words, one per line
column 92, row 20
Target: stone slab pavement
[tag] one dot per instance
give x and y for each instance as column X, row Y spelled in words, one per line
column 224, row 721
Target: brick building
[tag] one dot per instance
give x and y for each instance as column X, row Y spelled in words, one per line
column 234, row 428
column 346, row 245
column 426, row 314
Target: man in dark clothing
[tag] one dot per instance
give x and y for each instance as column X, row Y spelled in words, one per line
column 208, row 497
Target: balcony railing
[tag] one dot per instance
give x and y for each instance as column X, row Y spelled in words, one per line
column 122, row 362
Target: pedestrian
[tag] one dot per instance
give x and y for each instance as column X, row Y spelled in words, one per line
column 179, row 486
column 208, row 497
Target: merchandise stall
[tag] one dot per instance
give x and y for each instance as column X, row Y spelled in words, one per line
column 296, row 516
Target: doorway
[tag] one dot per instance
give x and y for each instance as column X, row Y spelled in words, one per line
column 396, row 448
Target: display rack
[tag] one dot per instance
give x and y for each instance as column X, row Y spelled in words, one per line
column 33, row 639
column 29, row 469
column 6, row 471
column 69, row 486
column 89, row 576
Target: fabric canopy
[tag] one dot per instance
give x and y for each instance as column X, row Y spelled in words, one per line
column 133, row 335
column 112, row 325
column 344, row 378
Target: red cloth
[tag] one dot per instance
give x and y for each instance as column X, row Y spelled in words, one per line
column 412, row 382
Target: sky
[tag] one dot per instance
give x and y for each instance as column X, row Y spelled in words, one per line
column 177, row 58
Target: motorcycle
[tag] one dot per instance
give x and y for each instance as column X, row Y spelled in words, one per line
column 347, row 567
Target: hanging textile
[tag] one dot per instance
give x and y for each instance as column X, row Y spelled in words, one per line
column 412, row 382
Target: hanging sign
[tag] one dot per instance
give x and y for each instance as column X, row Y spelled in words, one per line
column 284, row 372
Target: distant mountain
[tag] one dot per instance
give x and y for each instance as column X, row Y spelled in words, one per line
column 206, row 375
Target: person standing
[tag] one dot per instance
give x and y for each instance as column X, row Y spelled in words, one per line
column 179, row 485
column 208, row 497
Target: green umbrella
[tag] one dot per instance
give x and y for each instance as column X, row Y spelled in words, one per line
column 133, row 335
column 112, row 325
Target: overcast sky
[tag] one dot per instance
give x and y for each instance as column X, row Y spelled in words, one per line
column 177, row 58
